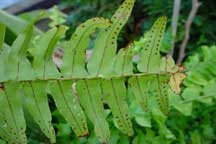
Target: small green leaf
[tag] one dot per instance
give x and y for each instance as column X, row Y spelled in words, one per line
column 68, row 105
column 14, row 23
column 90, row 93
column 3, row 57
column 74, row 59
column 2, row 35
column 168, row 65
column 16, row 65
column 195, row 137
column 104, row 51
column 43, row 63
column 160, row 86
column 141, row 87
column 160, row 120
column 123, row 61
column 12, row 116
column 36, row 102
column 4, row 133
column 143, row 119
column 184, row 108
column 114, row 91
column 150, row 56
column 114, row 137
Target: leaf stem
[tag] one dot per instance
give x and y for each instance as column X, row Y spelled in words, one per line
column 200, row 98
column 90, row 77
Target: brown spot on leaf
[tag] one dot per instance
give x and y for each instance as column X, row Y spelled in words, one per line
column 1, row 86
column 84, row 135
column 122, row 15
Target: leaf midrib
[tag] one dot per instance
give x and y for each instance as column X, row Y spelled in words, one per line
column 92, row 77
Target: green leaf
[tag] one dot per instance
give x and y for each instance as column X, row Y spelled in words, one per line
column 90, row 93
column 3, row 56
column 12, row 117
column 43, row 64
column 140, row 138
column 16, row 64
column 123, row 61
column 184, row 108
column 195, row 137
column 101, row 61
column 57, row 17
column 168, row 65
column 124, row 140
column 160, row 120
column 114, row 137
column 36, row 102
column 74, row 59
column 160, row 86
column 143, row 119
column 30, row 15
column 68, row 105
column 150, row 55
column 140, row 86
column 2, row 35
column 4, row 133
column 14, row 23
column 114, row 91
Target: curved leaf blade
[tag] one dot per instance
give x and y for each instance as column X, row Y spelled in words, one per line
column 16, row 65
column 160, row 86
column 74, row 59
column 43, row 63
column 3, row 57
column 9, row 20
column 123, row 61
column 68, row 105
column 141, row 87
column 36, row 102
column 114, row 91
column 150, row 55
column 2, row 35
column 89, row 92
column 105, row 47
column 13, row 120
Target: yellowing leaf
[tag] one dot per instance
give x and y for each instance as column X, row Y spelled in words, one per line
column 168, row 65
column 176, row 81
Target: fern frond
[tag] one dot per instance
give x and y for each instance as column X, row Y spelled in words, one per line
column 105, row 77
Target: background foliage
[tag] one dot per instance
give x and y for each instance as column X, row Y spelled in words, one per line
column 144, row 14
